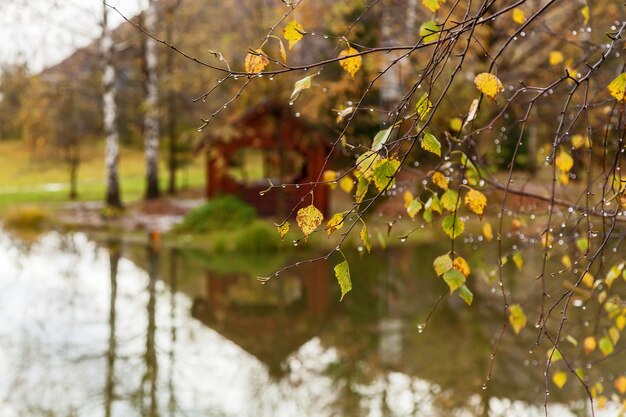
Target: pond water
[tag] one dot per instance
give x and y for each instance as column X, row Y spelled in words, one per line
column 103, row 329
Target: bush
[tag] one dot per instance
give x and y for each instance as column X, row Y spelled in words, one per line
column 258, row 238
column 222, row 213
column 26, row 218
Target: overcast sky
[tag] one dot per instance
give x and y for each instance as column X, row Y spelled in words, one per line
column 44, row 32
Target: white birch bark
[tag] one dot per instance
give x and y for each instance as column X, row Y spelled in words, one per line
column 151, row 120
column 109, row 108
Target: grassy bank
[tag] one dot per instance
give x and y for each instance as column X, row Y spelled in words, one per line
column 27, row 178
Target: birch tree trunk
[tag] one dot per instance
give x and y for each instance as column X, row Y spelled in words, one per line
column 109, row 107
column 151, row 118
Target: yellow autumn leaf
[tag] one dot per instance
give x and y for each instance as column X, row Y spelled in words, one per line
column 365, row 238
column 589, row 344
column 620, row 384
column 564, row 161
column 283, row 53
column 346, row 184
column 476, row 202
column 559, row 379
column 283, row 229
column 330, row 177
column 433, row 5
column 350, row 65
column 456, row 124
column 440, row 180
column 335, row 223
column 555, row 57
column 256, row 62
column 461, row 265
column 293, row 33
column 588, row 280
column 487, row 231
column 489, row 85
column 566, row 261
column 585, row 12
column 408, row 197
column 617, row 88
column 579, row 141
column 309, row 218
column 517, row 318
column 518, row 16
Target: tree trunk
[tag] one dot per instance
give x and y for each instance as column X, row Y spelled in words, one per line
column 109, row 108
column 171, row 103
column 151, row 120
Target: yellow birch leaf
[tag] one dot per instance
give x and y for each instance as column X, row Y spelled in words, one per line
column 462, row 266
column 589, row 344
column 342, row 273
column 564, row 161
column 453, row 226
column 487, row 231
column 293, row 33
column 588, row 280
column 606, row 346
column 329, row 177
column 559, row 379
column 564, row 178
column 517, row 318
column 335, row 223
column 423, row 106
column 585, row 12
column 429, row 31
column 256, row 62
column 579, row 141
column 555, row 58
column 620, row 384
column 300, row 86
column 433, row 5
column 566, row 261
column 476, row 202
column 430, row 144
column 554, row 355
column 365, row 238
column 442, row 264
column 489, row 85
column 614, row 335
column 620, row 322
column 456, row 124
column 346, row 184
column 408, row 197
column 350, row 65
column 518, row 16
column 413, row 208
column 283, row 229
column 518, row 261
column 309, row 218
column 283, row 53
column 617, row 88
column 602, row 402
column 440, row 180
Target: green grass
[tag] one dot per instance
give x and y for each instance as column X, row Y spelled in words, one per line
column 36, row 179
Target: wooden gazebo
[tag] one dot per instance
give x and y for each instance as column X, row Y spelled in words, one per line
column 269, row 142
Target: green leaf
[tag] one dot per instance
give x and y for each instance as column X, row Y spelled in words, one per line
column 450, row 200
column 442, row 264
column 384, row 172
column 414, row 207
column 423, row 106
column 365, row 238
column 429, row 31
column 453, row 226
column 465, row 294
column 554, row 354
column 301, row 85
column 361, row 189
column 431, row 144
column 517, row 318
column 582, row 244
column 606, row 345
column 434, row 204
column 342, row 272
column 454, row 279
column 365, row 164
column 518, row 261
column 381, row 138
column 428, row 215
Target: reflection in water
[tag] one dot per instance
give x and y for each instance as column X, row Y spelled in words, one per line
column 107, row 330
